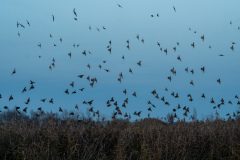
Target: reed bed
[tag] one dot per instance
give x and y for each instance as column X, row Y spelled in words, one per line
column 148, row 138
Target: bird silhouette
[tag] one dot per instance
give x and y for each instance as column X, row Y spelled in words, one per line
column 14, row 71
column 10, row 98
column 24, row 90
column 139, row 63
column 219, row 81
column 53, row 17
column 51, row 100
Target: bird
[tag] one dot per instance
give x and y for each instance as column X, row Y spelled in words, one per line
column 170, row 78
column 51, row 100
column 60, row 109
column 174, row 8
column 81, row 89
column 28, row 23
column 219, row 81
column 139, row 63
column 88, row 65
column 130, row 70
column 192, row 71
column 43, row 100
column 72, row 84
column 28, row 100
column 134, row 94
column 203, row 96
column 10, row 98
column 90, row 102
column 80, row 76
column 70, row 54
column 24, row 90
column 25, row 110
column 191, row 82
column 202, row 37
column 66, row 91
column 186, row 69
column 137, row 36
column 179, row 58
column 14, row 71
column 203, row 69
column 32, row 87
column 212, row 101
column 193, row 45
column 119, row 6
column 53, row 17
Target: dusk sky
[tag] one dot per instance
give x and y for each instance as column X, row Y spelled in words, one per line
column 218, row 21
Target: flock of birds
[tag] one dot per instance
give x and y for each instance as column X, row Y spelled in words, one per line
column 112, row 101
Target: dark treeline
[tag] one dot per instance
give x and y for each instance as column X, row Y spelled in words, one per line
column 55, row 136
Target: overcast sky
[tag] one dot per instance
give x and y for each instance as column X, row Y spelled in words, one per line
column 218, row 21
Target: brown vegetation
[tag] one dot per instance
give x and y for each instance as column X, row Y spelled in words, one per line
column 149, row 138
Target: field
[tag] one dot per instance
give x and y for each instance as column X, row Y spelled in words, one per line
column 54, row 138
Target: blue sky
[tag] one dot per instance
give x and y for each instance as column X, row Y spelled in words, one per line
column 209, row 18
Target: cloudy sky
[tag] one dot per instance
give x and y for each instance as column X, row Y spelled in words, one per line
column 218, row 21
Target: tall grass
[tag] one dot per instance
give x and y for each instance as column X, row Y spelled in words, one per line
column 54, row 138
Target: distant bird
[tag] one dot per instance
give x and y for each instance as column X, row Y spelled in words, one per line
column 43, row 100
column 191, row 82
column 134, row 94
column 110, row 50
column 25, row 110
column 137, row 36
column 106, row 70
column 60, row 109
column 10, row 98
column 80, row 76
column 179, row 58
column 28, row 100
column 203, row 96
column 70, row 54
column 72, row 84
column 202, row 37
column 192, row 71
column 28, row 23
column 119, row 6
column 66, row 91
column 212, row 101
column 193, row 45
column 174, row 8
column 24, row 90
column 88, row 65
column 51, row 100
column 130, row 70
column 203, row 69
column 53, row 17
column 40, row 45
column 170, row 78
column 219, row 81
column 14, row 71
column 232, row 48
column 186, row 69
column 139, row 63
column 236, row 96
column 142, row 40
column 81, row 89
column 125, row 91
column 32, row 87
